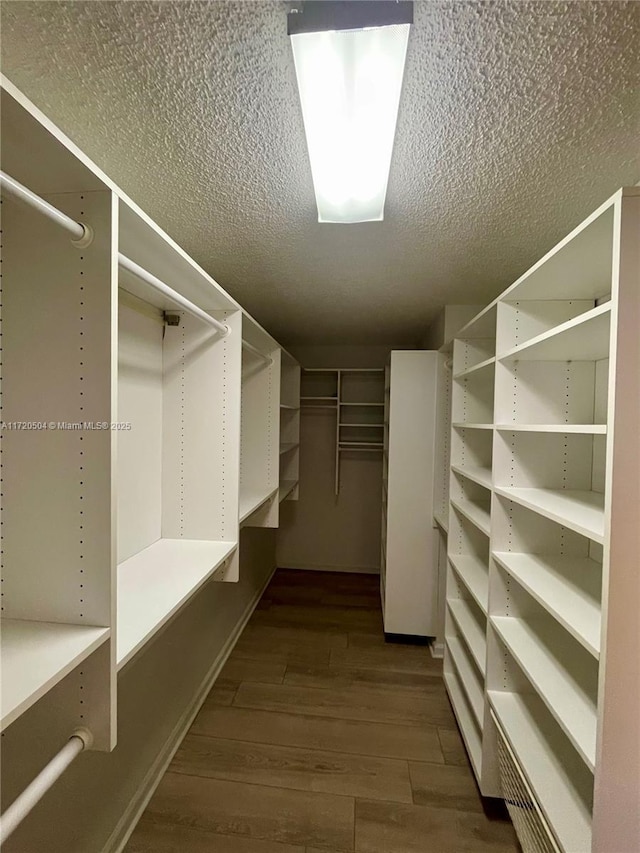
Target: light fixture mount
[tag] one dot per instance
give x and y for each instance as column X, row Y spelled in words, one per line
column 349, row 59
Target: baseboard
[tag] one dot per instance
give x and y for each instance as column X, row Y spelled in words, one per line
column 310, row 567
column 127, row 823
column 437, row 650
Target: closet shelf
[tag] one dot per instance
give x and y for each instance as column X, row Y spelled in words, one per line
column 373, row 444
column 563, row 429
column 289, row 408
column 478, row 514
column 368, row 426
column 584, row 338
column 548, row 659
column 442, row 521
column 155, row 583
column 464, row 425
column 474, row 576
column 287, row 446
column 286, row 487
column 331, row 399
column 476, row 368
column 367, row 405
column 468, row 676
column 37, row 655
column 567, row 587
column 479, row 475
column 465, row 718
column 251, row 501
column 469, row 630
column 564, row 797
column 578, row 510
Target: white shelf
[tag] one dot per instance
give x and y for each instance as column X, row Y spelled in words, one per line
column 463, row 425
column 476, row 368
column 36, row 656
column 468, row 676
column 442, row 521
column 568, row 588
column 251, row 501
column 559, row 786
column 289, row 408
column 286, row 487
column 331, row 399
column 479, row 475
column 585, row 338
column 154, row 584
column 371, row 426
column 368, row 405
column 478, row 514
column 466, row 721
column 287, row 446
column 361, row 444
column 580, row 511
column 474, row 576
column 547, row 656
column 470, row 631
column 563, row 429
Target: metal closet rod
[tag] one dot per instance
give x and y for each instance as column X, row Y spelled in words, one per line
column 82, row 236
column 48, row 776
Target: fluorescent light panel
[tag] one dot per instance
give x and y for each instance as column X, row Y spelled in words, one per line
column 350, row 83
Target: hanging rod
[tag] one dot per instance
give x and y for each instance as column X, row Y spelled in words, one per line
column 82, row 235
column 250, row 348
column 135, row 269
column 48, row 776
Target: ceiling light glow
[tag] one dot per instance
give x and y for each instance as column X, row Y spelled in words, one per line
column 350, row 83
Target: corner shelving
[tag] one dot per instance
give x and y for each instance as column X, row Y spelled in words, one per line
column 479, row 514
column 470, row 630
column 474, row 575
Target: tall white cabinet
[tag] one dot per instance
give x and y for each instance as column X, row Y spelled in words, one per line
column 408, row 575
column 543, row 589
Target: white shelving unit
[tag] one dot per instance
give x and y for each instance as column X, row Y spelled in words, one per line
column 356, row 396
column 289, row 428
column 409, row 577
column 151, row 408
column 543, row 521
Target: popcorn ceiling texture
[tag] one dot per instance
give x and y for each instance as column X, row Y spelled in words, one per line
column 517, row 119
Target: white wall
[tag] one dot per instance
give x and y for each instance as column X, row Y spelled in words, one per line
column 320, row 530
column 91, row 806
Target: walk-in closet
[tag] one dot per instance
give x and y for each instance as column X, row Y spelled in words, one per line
column 320, row 418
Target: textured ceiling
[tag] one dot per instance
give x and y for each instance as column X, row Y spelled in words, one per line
column 517, row 119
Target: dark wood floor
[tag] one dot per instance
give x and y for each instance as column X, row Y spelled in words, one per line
column 319, row 737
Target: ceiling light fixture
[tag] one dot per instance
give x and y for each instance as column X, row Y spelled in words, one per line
column 349, row 58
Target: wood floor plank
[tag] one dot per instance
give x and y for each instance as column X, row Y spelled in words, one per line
column 299, row 635
column 387, row 656
column 282, row 653
column 444, row 786
column 292, row 767
column 254, row 811
column 319, row 617
column 223, row 692
column 393, row 828
column 335, row 677
column 358, row 738
column 453, row 747
column 374, row 706
column 150, row 837
column 236, row 669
